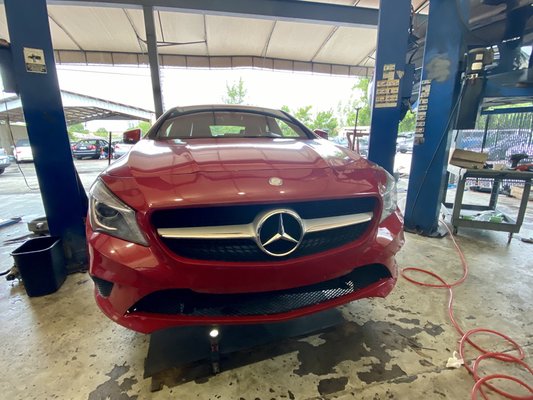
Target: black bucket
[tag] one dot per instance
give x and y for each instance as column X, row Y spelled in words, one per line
column 41, row 264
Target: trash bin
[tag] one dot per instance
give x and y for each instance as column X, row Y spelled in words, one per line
column 41, row 264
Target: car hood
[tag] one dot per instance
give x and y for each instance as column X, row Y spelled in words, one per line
column 159, row 174
column 171, row 157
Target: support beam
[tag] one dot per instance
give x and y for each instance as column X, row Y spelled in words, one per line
column 153, row 59
column 393, row 36
column 441, row 76
column 36, row 77
column 285, row 10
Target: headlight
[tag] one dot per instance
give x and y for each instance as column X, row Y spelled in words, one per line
column 389, row 196
column 110, row 215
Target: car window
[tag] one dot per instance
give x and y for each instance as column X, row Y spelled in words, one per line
column 86, row 142
column 222, row 124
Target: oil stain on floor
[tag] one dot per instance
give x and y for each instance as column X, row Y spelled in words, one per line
column 111, row 389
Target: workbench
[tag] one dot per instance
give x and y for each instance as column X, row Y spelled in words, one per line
column 508, row 224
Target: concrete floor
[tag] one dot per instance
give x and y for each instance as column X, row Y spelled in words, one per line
column 61, row 346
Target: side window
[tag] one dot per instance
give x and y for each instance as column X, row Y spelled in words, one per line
column 286, row 129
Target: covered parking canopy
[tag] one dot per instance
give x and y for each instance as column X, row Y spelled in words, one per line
column 80, row 108
column 330, row 36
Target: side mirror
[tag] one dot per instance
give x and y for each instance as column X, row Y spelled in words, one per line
column 132, row 136
column 323, row 134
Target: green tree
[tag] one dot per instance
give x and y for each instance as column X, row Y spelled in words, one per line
column 321, row 120
column 303, row 114
column 102, row 132
column 75, row 128
column 235, row 93
column 358, row 100
column 408, row 123
column 144, row 126
column 325, row 120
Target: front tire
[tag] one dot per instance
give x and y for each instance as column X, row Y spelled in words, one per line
column 2, row 170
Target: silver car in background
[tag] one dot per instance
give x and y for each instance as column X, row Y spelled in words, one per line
column 4, row 161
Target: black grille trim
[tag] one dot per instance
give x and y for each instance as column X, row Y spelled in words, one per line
column 189, row 303
column 245, row 213
column 246, row 250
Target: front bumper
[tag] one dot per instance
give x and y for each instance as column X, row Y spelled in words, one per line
column 132, row 276
column 86, row 153
column 24, row 157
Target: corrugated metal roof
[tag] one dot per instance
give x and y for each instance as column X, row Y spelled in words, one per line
column 84, row 34
column 80, row 108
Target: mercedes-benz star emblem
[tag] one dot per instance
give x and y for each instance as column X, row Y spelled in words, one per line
column 275, row 181
column 279, row 232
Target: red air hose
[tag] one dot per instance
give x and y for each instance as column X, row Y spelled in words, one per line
column 466, row 336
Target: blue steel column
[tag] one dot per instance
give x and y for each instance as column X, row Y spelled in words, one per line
column 393, row 36
column 442, row 55
column 47, row 130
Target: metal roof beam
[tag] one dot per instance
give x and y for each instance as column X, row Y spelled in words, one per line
column 288, row 10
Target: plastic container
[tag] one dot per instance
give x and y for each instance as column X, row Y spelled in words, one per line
column 41, row 264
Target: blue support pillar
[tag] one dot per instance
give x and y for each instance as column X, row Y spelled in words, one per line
column 439, row 90
column 393, row 36
column 36, row 76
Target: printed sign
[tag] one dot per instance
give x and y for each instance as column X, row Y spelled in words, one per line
column 388, row 87
column 34, row 59
column 425, row 89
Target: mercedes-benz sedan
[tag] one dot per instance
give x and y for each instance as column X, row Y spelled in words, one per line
column 232, row 215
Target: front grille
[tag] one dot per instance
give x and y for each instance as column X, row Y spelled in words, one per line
column 188, row 303
column 244, row 214
column 246, row 250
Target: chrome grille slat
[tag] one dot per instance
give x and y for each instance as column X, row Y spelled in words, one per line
column 247, row 231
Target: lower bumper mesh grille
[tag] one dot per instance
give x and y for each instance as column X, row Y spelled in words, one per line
column 187, row 302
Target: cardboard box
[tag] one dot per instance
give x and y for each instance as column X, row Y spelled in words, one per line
column 517, row 191
column 468, row 159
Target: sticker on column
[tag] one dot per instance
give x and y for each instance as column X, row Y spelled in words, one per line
column 34, row 59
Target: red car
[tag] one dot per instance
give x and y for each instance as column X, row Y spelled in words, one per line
column 233, row 215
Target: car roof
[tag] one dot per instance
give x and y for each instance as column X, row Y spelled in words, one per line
column 225, row 107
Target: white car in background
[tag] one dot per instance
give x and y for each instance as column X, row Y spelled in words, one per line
column 121, row 148
column 23, row 150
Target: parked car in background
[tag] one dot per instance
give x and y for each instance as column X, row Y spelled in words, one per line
column 23, row 151
column 363, row 144
column 406, row 146
column 4, row 161
column 92, row 148
column 405, row 142
column 121, row 148
column 232, row 215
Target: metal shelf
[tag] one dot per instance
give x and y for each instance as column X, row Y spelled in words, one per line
column 509, row 224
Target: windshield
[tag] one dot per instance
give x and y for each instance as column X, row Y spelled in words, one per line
column 224, row 124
